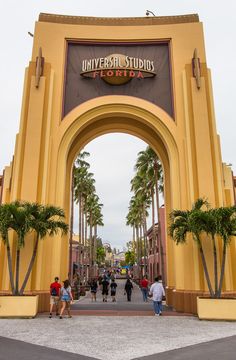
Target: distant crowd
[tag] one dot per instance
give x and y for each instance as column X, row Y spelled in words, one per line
column 106, row 283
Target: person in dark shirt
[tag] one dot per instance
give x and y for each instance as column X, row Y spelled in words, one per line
column 105, row 286
column 113, row 287
column 93, row 289
column 128, row 289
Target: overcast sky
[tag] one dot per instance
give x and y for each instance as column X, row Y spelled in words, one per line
column 18, row 17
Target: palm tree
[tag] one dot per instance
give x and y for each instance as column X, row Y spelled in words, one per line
column 149, row 165
column 226, row 229
column 100, row 255
column 184, row 222
column 5, row 218
column 83, row 187
column 97, row 221
column 200, row 223
column 23, row 218
column 19, row 221
column 80, row 177
column 93, row 208
column 135, row 218
column 45, row 220
column 71, row 224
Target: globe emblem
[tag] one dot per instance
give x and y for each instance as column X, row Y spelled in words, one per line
column 111, row 77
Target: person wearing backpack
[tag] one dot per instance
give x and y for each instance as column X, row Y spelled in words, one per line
column 113, row 287
column 66, row 298
column 105, row 286
column 93, row 289
column 54, row 296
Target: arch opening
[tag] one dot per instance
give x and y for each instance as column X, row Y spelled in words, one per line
column 82, row 127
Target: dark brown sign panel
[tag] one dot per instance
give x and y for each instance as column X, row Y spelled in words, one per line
column 118, row 60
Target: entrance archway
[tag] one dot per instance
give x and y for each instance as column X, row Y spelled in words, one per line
column 106, row 115
column 183, row 135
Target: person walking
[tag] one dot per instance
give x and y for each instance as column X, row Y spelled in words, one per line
column 144, row 288
column 54, row 296
column 157, row 291
column 105, row 286
column 93, row 289
column 66, row 298
column 76, row 286
column 128, row 289
column 113, row 287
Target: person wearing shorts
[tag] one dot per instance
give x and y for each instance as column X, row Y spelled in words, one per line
column 66, row 298
column 54, row 296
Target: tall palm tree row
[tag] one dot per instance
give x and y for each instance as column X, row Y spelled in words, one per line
column 146, row 185
column 135, row 218
column 90, row 214
column 29, row 222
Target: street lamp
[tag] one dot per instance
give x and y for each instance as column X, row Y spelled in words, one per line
column 148, row 12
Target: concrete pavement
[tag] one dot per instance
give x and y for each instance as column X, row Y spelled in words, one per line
column 116, row 337
column 213, row 350
column 20, row 350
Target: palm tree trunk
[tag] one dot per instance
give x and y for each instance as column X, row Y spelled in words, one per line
column 137, row 250
column 80, row 220
column 85, row 228
column 222, row 270
column 215, row 264
column 205, row 269
column 30, row 266
column 80, row 233
column 17, row 271
column 95, row 245
column 82, row 237
column 141, row 249
column 160, row 245
column 91, row 247
column 153, row 219
column 86, row 242
column 71, row 228
column 145, row 247
column 10, row 268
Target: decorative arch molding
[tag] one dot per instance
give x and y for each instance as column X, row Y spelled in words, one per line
column 111, row 114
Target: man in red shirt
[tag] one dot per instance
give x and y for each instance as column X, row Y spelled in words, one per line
column 55, row 289
column 144, row 288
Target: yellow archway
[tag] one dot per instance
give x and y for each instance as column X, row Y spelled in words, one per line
column 188, row 144
column 117, row 114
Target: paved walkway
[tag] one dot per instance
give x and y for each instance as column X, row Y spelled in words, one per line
column 115, row 338
column 121, row 307
column 214, row 350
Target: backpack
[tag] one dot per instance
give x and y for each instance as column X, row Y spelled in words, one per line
column 54, row 292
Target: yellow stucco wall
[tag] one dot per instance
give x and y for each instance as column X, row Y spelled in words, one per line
column 188, row 147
